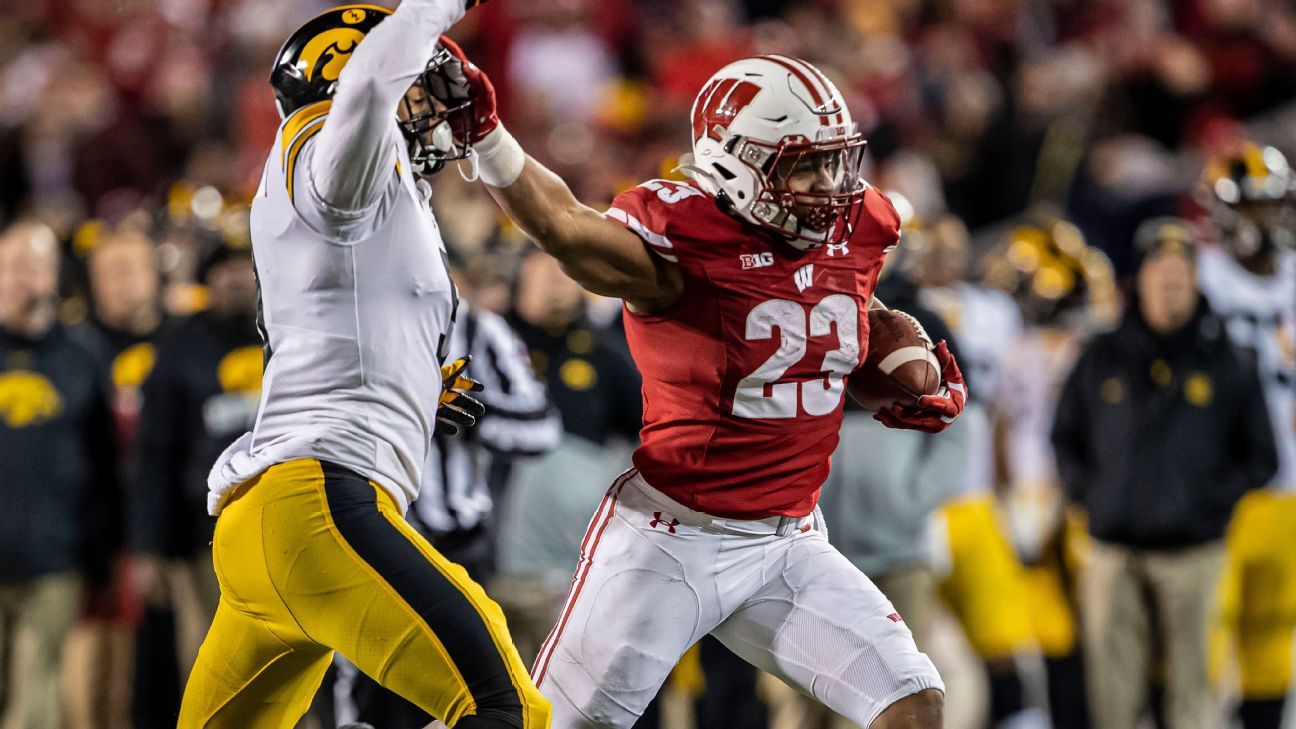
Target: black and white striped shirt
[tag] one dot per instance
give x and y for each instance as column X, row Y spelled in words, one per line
column 519, row 420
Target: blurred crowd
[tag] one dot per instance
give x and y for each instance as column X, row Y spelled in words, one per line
column 1063, row 170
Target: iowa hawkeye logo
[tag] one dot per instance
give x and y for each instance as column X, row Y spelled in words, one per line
column 326, row 54
column 27, row 399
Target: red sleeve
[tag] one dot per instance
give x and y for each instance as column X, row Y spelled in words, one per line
column 878, row 228
column 642, row 211
column 880, row 208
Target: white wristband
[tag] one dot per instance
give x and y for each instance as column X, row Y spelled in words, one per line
column 500, row 158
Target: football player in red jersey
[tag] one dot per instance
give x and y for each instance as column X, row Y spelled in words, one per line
column 746, row 293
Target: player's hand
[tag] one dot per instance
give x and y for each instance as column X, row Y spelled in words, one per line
column 458, row 80
column 457, row 409
column 932, row 413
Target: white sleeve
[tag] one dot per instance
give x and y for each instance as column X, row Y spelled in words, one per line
column 354, row 153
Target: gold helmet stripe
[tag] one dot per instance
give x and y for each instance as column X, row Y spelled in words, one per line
column 298, row 121
column 295, row 151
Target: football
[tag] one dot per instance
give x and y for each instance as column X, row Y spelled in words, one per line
column 901, row 365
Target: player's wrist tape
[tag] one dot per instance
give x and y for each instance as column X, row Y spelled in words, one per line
column 500, row 158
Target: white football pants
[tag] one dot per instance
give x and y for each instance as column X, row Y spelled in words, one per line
column 654, row 577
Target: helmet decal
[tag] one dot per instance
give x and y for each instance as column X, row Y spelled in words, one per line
column 719, row 103
column 326, row 54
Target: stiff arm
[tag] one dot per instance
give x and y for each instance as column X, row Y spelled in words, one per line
column 599, row 254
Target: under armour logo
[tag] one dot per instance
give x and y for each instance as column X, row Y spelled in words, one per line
column 657, row 519
column 835, row 248
column 804, row 277
column 895, row 618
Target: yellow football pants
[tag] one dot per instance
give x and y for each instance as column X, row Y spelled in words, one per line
column 987, row 587
column 312, row 558
column 1258, row 593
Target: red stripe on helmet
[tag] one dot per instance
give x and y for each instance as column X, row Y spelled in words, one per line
column 719, row 103
column 827, row 84
column 804, row 77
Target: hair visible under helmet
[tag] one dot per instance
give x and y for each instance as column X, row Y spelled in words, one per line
column 753, row 121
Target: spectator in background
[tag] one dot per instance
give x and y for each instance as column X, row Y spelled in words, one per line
column 125, row 317
column 1160, row 429
column 202, row 394
column 546, row 508
column 594, row 386
column 58, row 493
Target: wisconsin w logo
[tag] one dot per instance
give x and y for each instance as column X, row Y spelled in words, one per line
column 719, row 103
column 804, row 277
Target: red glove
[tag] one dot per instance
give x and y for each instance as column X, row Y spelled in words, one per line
column 932, row 413
column 457, row 81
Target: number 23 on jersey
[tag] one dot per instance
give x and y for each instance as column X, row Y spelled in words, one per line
column 761, row 394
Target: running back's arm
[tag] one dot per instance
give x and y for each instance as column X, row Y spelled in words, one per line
column 598, row 253
column 356, row 150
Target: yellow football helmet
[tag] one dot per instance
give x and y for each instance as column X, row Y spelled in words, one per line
column 1250, row 194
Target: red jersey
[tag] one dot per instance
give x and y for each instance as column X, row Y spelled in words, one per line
column 743, row 378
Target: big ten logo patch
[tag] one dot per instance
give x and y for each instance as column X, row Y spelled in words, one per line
column 233, row 410
column 27, row 399
column 756, row 260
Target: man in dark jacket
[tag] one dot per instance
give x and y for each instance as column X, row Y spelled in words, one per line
column 59, row 497
column 1160, row 430
column 202, row 394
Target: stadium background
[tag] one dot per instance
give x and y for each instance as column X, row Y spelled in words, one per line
column 155, row 115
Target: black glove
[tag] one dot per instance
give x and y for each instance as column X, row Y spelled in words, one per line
column 457, row 409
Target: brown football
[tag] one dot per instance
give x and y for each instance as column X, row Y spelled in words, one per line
column 901, row 365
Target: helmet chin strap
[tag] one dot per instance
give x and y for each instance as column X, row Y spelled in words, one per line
column 427, row 160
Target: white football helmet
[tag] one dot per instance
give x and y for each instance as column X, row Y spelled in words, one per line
column 757, row 121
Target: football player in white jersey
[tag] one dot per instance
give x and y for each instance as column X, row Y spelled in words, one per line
column 985, row 585
column 1066, row 290
column 1250, row 280
column 311, row 549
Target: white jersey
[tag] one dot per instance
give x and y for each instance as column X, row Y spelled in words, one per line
column 986, row 324
column 1261, row 316
column 1039, row 366
column 356, row 300
column 1037, row 369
